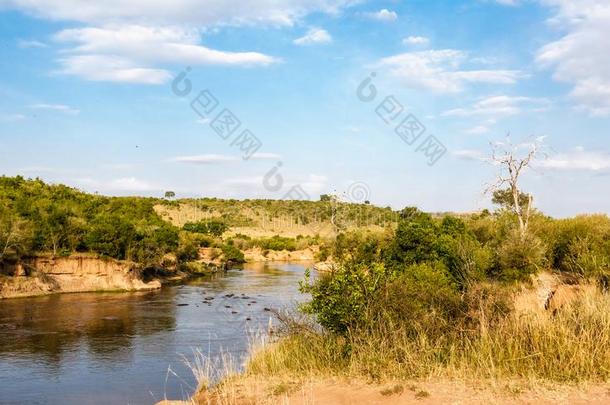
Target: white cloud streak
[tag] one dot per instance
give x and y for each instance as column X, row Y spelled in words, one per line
column 130, row 53
column 415, row 40
column 582, row 56
column 499, row 106
column 205, row 159
column 56, row 107
column 383, row 15
column 314, row 36
column 439, row 71
column 180, row 12
column 578, row 159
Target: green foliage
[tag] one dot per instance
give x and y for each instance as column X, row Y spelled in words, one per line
column 419, row 238
column 419, row 297
column 212, row 227
column 504, row 198
column 580, row 245
column 339, row 300
column 62, row 220
column 291, row 212
column 232, row 254
column 518, row 257
column 16, row 236
column 359, row 247
column 187, row 250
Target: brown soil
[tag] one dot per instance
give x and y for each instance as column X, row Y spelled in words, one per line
column 343, row 392
column 255, row 255
column 76, row 273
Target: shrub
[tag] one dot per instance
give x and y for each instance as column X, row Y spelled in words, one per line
column 339, row 299
column 518, row 257
column 421, row 298
column 187, row 252
column 277, row 243
column 581, row 245
column 232, row 254
column 212, row 227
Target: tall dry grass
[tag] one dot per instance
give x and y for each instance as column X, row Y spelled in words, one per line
column 571, row 345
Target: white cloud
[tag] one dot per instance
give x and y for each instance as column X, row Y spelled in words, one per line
column 190, row 12
column 56, row 107
column 439, row 70
column 508, row 2
column 23, row 43
column 205, row 159
column 577, row 160
column 384, row 15
column 131, row 40
column 129, row 53
column 154, row 45
column 314, row 183
column 415, row 40
column 265, row 156
column 314, row 36
column 499, row 106
column 582, row 56
column 111, row 69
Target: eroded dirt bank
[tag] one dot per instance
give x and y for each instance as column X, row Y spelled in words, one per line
column 78, row 273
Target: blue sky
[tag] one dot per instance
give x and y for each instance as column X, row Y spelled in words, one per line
column 86, row 97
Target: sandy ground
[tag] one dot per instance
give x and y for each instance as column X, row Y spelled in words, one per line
column 343, row 392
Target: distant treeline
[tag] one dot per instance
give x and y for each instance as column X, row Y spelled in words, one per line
column 37, row 217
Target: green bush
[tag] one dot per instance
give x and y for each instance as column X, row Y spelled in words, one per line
column 340, row 299
column 63, row 220
column 187, row 252
column 518, row 257
column 580, row 245
column 276, row 243
column 212, row 227
column 232, row 254
column 422, row 297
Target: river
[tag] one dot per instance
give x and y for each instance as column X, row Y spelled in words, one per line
column 129, row 348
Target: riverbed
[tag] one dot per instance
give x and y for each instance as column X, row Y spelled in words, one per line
column 130, row 348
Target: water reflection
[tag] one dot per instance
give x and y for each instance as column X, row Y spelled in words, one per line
column 118, row 347
column 104, row 323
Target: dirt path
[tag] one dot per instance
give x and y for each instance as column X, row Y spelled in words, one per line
column 341, row 392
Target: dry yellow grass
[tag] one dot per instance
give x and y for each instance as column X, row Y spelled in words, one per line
column 528, row 357
column 571, row 345
column 262, row 227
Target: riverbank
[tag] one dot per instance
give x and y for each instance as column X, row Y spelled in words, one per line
column 550, row 346
column 43, row 275
column 328, row 390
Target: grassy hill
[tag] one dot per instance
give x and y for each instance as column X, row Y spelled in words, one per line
column 266, row 218
column 39, row 218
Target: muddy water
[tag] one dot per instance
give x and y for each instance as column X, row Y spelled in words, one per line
column 129, row 348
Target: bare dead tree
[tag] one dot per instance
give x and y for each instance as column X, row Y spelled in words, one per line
column 513, row 161
column 335, row 201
